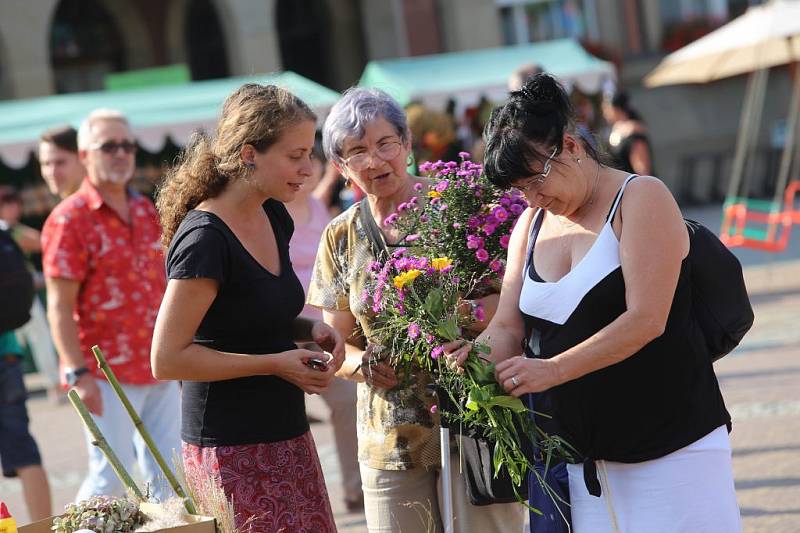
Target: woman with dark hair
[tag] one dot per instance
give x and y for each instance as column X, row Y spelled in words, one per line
column 598, row 291
column 628, row 142
column 229, row 320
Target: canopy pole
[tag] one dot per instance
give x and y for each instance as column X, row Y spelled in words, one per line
column 758, row 109
column 791, row 134
column 742, row 137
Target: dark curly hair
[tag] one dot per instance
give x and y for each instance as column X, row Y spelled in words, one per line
column 525, row 130
column 254, row 114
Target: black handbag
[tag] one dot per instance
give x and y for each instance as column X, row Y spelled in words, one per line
column 477, row 460
column 719, row 296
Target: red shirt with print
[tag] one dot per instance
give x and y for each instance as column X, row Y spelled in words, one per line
column 120, row 267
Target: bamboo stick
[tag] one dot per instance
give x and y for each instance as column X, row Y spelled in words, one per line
column 101, row 442
column 137, row 422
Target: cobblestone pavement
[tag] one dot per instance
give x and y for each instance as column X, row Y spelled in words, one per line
column 759, row 380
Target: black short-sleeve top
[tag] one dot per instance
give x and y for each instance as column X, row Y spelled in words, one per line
column 253, row 313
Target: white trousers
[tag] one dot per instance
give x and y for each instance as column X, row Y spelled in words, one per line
column 159, row 408
column 688, row 491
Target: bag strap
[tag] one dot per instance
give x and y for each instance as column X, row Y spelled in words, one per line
column 374, row 234
column 533, row 233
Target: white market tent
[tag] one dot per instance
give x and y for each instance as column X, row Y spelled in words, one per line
column 466, row 76
column 156, row 113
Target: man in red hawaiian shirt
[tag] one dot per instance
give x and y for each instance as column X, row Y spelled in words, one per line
column 105, row 278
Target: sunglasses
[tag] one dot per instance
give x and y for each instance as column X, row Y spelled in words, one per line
column 536, row 181
column 112, row 147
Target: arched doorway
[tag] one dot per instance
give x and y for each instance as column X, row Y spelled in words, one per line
column 304, row 38
column 85, row 45
column 205, row 41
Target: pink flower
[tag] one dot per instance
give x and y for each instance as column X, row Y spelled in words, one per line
column 434, row 409
column 411, row 238
column 474, row 242
column 418, row 186
column 413, row 330
column 391, row 219
column 437, row 352
column 442, row 207
column 500, row 213
column 463, row 155
column 479, row 314
column 482, row 255
column 516, row 209
column 442, row 186
column 456, row 225
column 495, row 265
column 504, row 241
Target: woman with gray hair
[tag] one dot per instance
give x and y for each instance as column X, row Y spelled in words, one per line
column 366, row 136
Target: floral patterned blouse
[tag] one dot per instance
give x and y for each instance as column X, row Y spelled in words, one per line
column 396, row 430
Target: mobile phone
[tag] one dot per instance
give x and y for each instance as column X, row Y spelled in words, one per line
column 317, row 364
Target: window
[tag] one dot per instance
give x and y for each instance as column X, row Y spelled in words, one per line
column 525, row 21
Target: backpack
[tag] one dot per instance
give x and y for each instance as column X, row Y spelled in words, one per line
column 16, row 285
column 719, row 296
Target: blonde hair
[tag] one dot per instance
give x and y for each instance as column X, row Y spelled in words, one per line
column 254, row 114
column 85, row 135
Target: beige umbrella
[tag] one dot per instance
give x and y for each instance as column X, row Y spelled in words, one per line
column 764, row 36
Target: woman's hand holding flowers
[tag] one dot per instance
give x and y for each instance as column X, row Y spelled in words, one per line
column 520, row 375
column 331, row 341
column 377, row 372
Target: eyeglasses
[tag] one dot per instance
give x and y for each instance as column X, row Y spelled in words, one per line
column 363, row 160
column 111, row 147
column 536, row 181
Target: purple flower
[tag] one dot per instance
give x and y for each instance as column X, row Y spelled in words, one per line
column 504, row 241
column 434, row 409
column 474, row 242
column 473, row 222
column 402, row 207
column 442, row 186
column 364, row 296
column 399, row 252
column 418, row 186
column 413, row 330
column 482, row 255
column 375, row 266
column 456, row 225
column 488, row 228
column 478, row 313
column 463, row 155
column 442, row 207
column 505, row 202
column 495, row 265
column 391, row 219
column 427, row 166
column 451, row 164
column 429, row 338
column 500, row 213
column 423, row 218
column 456, row 280
column 411, row 238
column 516, row 209
column 436, row 352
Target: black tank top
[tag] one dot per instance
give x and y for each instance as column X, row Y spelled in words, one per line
column 658, row 400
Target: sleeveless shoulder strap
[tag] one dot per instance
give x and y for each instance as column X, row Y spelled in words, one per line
column 618, row 198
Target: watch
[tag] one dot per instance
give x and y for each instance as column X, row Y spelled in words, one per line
column 72, row 375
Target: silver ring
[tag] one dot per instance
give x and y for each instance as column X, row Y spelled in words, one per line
column 514, row 381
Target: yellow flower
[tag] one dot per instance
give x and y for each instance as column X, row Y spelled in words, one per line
column 440, row 263
column 434, row 194
column 401, row 280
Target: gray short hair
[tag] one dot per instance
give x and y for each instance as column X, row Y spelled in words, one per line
column 85, row 137
column 358, row 107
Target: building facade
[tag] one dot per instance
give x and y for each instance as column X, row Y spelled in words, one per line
column 59, row 46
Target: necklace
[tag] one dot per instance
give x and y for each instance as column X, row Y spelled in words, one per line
column 594, row 187
column 569, row 223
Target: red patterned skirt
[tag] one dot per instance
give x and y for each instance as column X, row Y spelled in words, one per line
column 274, row 486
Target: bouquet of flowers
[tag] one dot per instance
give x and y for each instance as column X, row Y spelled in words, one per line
column 455, row 249
column 465, row 219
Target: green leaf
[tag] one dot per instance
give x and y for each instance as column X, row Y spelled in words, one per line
column 508, row 402
column 448, row 328
column 434, row 304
